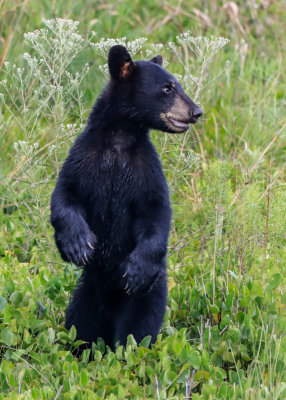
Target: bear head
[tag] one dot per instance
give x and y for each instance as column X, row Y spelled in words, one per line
column 147, row 94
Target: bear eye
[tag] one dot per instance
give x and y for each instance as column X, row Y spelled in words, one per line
column 167, row 89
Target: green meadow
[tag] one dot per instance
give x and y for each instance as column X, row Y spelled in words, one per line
column 223, row 335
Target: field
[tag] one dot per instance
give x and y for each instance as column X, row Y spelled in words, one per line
column 224, row 332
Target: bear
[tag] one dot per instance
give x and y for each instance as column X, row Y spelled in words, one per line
column 110, row 208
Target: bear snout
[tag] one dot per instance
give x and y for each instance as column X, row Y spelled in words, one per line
column 195, row 115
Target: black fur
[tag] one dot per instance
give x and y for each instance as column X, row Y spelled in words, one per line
column 110, row 208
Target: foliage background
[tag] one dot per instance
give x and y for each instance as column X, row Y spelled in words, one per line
column 224, row 332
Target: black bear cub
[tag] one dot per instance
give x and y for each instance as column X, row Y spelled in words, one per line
column 110, row 208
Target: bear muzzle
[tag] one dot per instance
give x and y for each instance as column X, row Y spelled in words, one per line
column 182, row 113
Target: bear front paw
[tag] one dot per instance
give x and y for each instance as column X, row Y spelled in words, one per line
column 132, row 283
column 77, row 249
column 136, row 278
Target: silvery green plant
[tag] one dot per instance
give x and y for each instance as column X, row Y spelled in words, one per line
column 43, row 92
column 44, row 87
column 197, row 77
column 196, row 54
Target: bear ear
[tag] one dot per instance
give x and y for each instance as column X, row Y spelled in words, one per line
column 157, row 60
column 120, row 63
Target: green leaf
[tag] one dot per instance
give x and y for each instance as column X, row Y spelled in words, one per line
column 86, row 354
column 150, row 372
column 275, row 281
column 220, row 374
column 209, row 390
column 74, row 367
column 72, row 333
column 177, row 348
column 222, row 392
column 233, row 275
column 7, row 367
column 245, row 357
column 146, row 341
column 225, row 321
column 229, row 301
column 66, row 384
column 205, row 358
column 201, row 375
column 12, row 381
column 51, row 335
column 43, row 339
column 234, row 335
column 228, row 356
column 83, row 377
column 240, row 317
column 97, row 355
column 257, row 289
column 3, row 303
column 120, row 392
column 130, row 359
column 8, row 337
column 195, row 359
column 214, row 309
column 131, row 342
column 16, row 298
column 119, row 352
column 10, row 287
column 245, row 301
column 283, row 343
column 100, row 345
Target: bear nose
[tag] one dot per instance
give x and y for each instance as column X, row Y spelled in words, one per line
column 197, row 113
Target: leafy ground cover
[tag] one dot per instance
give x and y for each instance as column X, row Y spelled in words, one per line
column 224, row 332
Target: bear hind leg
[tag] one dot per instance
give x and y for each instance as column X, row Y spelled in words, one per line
column 88, row 314
column 142, row 315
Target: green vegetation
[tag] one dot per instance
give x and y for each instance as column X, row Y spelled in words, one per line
column 224, row 331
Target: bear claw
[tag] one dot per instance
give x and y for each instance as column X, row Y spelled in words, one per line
column 76, row 249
